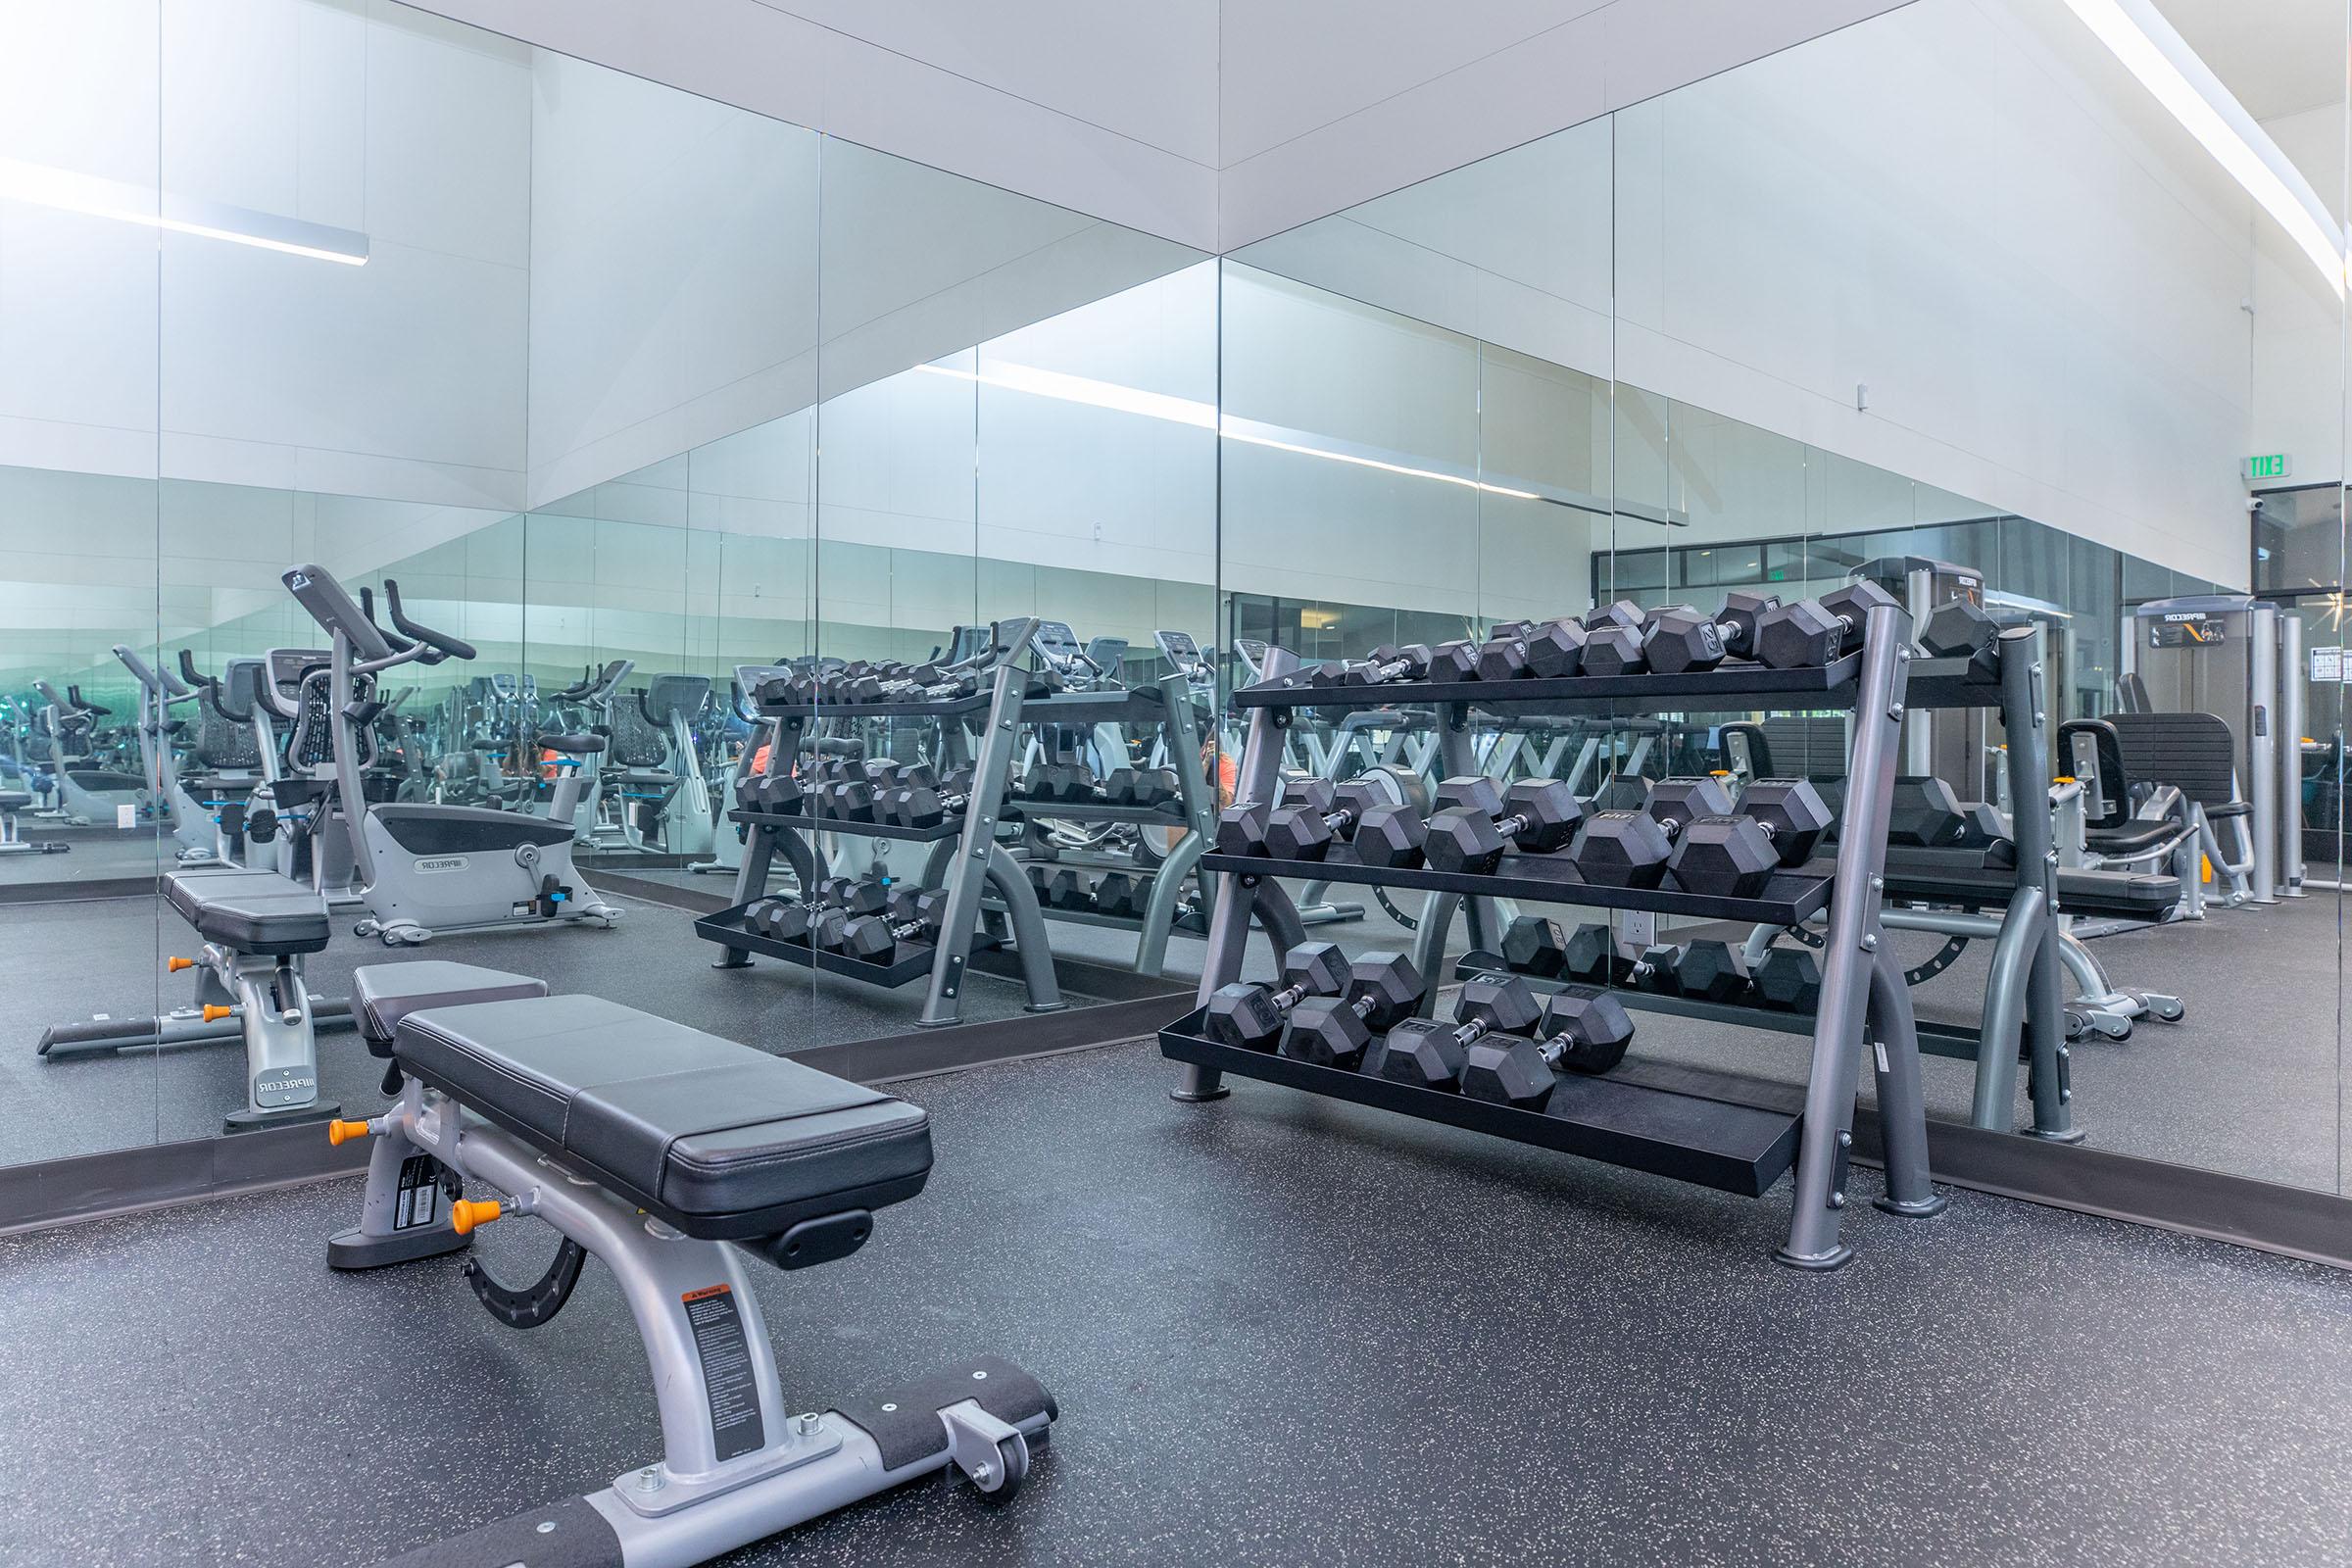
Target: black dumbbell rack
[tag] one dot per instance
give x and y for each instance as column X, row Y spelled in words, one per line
column 2023, row 1017
column 967, row 859
column 1864, row 1016
column 1169, row 704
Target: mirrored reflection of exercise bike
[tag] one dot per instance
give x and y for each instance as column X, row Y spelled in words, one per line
column 426, row 869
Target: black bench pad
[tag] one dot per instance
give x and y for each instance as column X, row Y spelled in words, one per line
column 250, row 910
column 383, row 994
column 714, row 1138
column 1970, row 879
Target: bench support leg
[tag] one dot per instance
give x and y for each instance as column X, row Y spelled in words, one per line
column 736, row 1465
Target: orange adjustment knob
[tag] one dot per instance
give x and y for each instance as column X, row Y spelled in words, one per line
column 213, row 1015
column 174, row 965
column 467, row 1212
column 341, row 1132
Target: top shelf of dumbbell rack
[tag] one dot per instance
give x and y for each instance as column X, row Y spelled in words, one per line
column 948, row 829
column 1727, row 686
column 1168, row 815
column 1790, row 897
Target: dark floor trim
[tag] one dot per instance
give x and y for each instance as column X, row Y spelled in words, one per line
column 694, row 900
column 926, row 1052
column 2293, row 1221
column 119, row 1181
column 59, row 1192
column 97, row 887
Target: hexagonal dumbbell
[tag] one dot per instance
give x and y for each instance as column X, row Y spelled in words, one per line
column 1121, row 893
column 1241, row 829
column 1584, row 1030
column 1388, row 663
column 875, row 938
column 1681, row 639
column 1139, row 786
column 1556, row 647
column 1068, row 889
column 1453, row 661
column 1533, row 944
column 1590, row 955
column 788, row 921
column 1306, row 831
column 1382, row 989
column 1542, row 815
column 1469, row 790
column 1781, row 822
column 1958, row 628
column 1711, row 972
column 1814, row 632
column 1389, row 835
column 1430, row 1055
column 1924, row 811
column 1251, row 1017
column 1789, row 978
column 1623, row 849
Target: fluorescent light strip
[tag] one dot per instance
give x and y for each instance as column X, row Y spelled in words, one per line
column 1068, row 388
column 2180, row 79
column 66, row 191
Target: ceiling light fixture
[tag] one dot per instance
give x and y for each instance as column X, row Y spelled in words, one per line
column 2179, row 78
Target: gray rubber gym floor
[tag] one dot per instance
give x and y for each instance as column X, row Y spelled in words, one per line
column 66, row 961
column 1283, row 1331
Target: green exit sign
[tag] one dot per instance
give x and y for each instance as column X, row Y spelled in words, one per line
column 2270, row 466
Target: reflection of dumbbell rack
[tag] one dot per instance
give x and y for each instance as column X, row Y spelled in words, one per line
column 966, row 860
column 1864, row 1014
column 1168, row 705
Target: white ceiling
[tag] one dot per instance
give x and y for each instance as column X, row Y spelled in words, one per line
column 2279, row 57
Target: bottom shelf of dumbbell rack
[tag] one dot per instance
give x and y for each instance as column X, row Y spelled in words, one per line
column 1708, row 1141
column 1790, row 897
column 909, row 961
column 948, row 829
column 1936, row 1038
column 1186, row 922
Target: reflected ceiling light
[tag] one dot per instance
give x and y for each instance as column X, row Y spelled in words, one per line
column 2179, row 78
column 69, row 192
column 1187, row 411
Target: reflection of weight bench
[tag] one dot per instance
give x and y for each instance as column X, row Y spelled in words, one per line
column 2154, row 787
column 257, row 928
column 671, row 1156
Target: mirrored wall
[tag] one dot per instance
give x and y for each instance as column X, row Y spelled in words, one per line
column 1945, row 302
column 660, row 407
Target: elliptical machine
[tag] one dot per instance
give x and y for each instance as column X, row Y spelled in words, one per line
column 428, row 868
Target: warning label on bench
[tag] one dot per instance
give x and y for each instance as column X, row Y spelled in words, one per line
column 718, row 1338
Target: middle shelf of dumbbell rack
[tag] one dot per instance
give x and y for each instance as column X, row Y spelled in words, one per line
column 1936, row 1038
column 950, row 828
column 1788, row 899
column 909, row 961
column 1169, row 816
column 1716, row 1142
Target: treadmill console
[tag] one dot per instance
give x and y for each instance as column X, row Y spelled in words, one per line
column 1057, row 646
column 1253, row 653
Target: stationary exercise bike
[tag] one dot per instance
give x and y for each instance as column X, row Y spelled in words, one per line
column 426, row 869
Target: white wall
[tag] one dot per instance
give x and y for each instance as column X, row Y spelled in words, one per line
column 1966, row 206
column 1326, row 103
column 1106, row 109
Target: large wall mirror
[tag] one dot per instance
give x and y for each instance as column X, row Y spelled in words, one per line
column 1946, row 303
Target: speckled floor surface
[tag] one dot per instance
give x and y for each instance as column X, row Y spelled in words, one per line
column 65, row 961
column 1283, row 1331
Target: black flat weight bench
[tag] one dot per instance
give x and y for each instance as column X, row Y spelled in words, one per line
column 714, row 1138
column 670, row 1154
column 250, row 910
